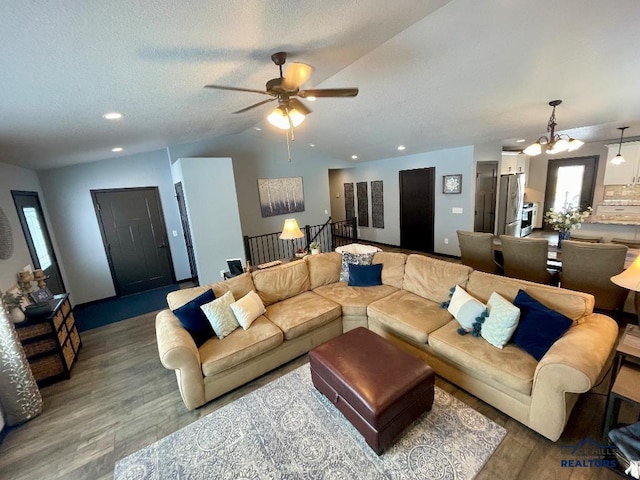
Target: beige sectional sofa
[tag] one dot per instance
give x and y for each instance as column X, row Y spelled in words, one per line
column 306, row 305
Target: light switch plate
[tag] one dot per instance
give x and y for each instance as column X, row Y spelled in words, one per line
column 457, row 210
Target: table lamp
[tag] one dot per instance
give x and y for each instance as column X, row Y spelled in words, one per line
column 291, row 231
column 630, row 279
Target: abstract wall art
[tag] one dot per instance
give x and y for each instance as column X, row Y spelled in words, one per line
column 280, row 196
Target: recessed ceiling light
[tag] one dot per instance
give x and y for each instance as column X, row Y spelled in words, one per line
column 355, row 157
column 312, row 145
column 520, row 140
column 401, row 147
column 112, row 115
column 311, row 99
column 257, row 129
column 117, row 149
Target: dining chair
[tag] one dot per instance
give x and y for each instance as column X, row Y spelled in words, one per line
column 628, row 243
column 477, row 252
column 526, row 259
column 588, row 267
column 585, row 238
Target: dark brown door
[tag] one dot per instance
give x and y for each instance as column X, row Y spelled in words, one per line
column 486, row 185
column 417, row 209
column 570, row 181
column 37, row 237
column 135, row 238
column 184, row 218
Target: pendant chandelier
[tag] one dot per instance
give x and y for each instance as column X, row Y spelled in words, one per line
column 554, row 143
column 619, row 159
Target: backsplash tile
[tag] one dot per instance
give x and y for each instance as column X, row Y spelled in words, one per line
column 621, row 195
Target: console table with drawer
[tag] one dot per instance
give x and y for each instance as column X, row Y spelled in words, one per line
column 51, row 341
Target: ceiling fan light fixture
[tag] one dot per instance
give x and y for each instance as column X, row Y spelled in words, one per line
column 280, row 119
column 555, row 143
column 533, row 149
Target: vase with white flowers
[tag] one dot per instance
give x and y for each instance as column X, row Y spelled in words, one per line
column 566, row 219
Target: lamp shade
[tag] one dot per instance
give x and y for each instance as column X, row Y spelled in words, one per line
column 291, row 231
column 278, row 118
column 618, row 160
column 533, row 149
column 630, row 278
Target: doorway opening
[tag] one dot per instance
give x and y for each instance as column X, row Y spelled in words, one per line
column 135, row 238
column 37, row 237
column 417, row 209
column 570, row 183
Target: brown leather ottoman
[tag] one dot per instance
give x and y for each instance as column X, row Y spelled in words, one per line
column 380, row 388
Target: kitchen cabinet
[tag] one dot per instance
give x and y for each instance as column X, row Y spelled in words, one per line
column 626, row 173
column 51, row 341
column 514, row 164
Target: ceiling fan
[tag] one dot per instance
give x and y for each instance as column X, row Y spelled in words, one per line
column 290, row 111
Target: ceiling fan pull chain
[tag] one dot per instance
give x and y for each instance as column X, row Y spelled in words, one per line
column 289, row 146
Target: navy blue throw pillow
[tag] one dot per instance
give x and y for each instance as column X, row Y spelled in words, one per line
column 193, row 318
column 539, row 326
column 365, row 275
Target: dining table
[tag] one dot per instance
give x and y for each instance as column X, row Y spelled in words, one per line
column 554, row 255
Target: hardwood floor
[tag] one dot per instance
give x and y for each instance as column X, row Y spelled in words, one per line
column 120, row 399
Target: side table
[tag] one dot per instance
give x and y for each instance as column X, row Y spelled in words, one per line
column 625, row 389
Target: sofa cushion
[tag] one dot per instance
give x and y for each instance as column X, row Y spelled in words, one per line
column 324, row 268
column 239, row 346
column 510, row 366
column 409, row 315
column 502, row 321
column 572, row 304
column 354, row 300
column 539, row 326
column 282, row 282
column 181, row 297
column 431, row 278
column 392, row 267
column 220, row 315
column 365, row 275
column 298, row 315
column 353, row 259
column 465, row 309
column 239, row 285
column 193, row 319
column 247, row 309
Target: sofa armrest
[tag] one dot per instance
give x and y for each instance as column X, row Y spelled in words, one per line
column 178, row 352
column 573, row 364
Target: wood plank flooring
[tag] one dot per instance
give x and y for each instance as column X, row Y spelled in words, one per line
column 120, row 399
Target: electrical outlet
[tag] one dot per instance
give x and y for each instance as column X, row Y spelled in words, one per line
column 446, row 241
column 326, row 212
column 222, row 274
column 174, row 233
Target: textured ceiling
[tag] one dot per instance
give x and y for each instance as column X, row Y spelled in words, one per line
column 432, row 73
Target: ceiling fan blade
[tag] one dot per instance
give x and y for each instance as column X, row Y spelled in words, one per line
column 299, row 106
column 236, row 89
column 255, row 105
column 297, row 74
column 329, row 92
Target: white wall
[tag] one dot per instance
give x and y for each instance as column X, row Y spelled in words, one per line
column 16, row 178
column 446, row 162
column 255, row 158
column 81, row 251
column 214, row 219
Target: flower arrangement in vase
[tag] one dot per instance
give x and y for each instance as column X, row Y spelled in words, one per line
column 566, row 219
column 13, row 303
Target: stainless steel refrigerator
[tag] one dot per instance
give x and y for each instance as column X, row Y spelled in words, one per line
column 510, row 204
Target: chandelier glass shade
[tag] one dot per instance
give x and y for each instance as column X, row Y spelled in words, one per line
column 554, row 143
column 619, row 159
column 285, row 118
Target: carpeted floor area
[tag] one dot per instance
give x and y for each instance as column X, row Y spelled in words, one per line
column 287, row 429
column 102, row 313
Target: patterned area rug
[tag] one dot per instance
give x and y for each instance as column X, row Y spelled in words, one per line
column 288, row 430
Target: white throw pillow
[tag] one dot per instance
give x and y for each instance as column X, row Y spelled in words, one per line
column 248, row 308
column 220, row 315
column 502, row 321
column 465, row 308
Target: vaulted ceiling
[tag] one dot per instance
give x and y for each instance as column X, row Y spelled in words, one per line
column 432, row 74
